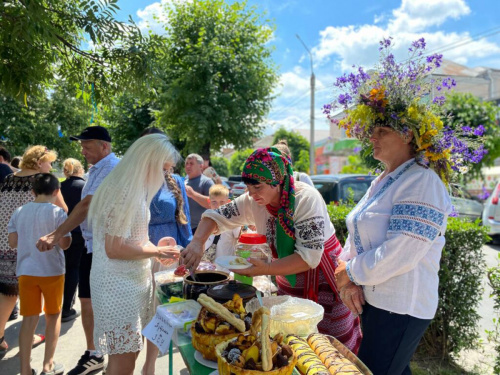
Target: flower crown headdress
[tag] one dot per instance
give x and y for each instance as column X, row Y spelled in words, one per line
column 403, row 96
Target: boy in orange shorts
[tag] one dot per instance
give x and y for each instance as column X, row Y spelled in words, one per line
column 40, row 273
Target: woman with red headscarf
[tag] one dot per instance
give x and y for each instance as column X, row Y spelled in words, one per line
column 295, row 220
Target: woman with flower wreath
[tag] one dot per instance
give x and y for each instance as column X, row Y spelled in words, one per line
column 388, row 270
column 295, row 220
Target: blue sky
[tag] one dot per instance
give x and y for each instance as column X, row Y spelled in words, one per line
column 343, row 33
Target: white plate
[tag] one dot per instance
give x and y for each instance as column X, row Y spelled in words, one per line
column 216, row 372
column 205, row 362
column 225, row 261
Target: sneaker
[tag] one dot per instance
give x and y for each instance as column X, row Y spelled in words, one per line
column 57, row 369
column 68, row 316
column 88, row 364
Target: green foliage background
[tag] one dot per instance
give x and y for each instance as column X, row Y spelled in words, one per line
column 468, row 110
column 217, row 77
column 238, row 160
column 221, row 165
column 298, row 145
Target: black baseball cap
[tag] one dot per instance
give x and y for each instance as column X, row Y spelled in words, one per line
column 92, row 132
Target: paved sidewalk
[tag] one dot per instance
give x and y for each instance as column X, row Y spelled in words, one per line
column 70, row 347
column 481, row 361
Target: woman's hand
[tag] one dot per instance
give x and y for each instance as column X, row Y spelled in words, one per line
column 341, row 277
column 353, row 297
column 192, row 254
column 259, row 268
column 168, row 252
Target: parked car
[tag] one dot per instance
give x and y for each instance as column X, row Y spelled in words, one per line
column 235, row 177
column 338, row 187
column 464, row 203
column 239, row 189
column 491, row 214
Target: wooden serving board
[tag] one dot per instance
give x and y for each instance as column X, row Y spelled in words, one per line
column 349, row 355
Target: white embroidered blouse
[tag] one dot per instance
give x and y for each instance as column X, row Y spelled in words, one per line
column 312, row 223
column 396, row 235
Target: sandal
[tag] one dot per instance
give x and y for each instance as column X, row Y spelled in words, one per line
column 41, row 339
column 5, row 347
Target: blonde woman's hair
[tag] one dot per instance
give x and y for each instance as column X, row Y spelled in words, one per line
column 72, row 167
column 35, row 154
column 218, row 191
column 282, row 145
column 132, row 184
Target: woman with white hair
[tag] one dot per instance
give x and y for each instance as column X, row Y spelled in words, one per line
column 120, row 279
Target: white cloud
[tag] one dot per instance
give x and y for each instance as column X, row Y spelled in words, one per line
column 416, row 15
column 154, row 16
column 296, row 83
column 349, row 45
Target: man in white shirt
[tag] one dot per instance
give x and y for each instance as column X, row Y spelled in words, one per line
column 96, row 148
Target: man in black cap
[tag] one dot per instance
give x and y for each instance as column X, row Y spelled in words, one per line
column 96, row 148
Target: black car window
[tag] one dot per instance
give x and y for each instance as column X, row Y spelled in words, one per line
column 325, row 189
column 359, row 188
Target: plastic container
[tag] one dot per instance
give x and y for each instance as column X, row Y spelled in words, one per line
column 180, row 315
column 290, row 315
column 167, row 285
column 252, row 245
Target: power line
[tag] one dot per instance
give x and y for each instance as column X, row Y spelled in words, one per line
column 459, row 43
column 291, row 105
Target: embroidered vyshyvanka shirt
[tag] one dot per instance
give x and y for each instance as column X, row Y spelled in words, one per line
column 396, row 235
column 312, row 223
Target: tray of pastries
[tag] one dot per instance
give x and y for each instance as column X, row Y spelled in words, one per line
column 324, row 355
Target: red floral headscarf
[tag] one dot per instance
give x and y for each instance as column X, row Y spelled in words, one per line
column 270, row 166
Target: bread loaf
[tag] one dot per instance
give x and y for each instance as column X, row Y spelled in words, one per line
column 222, row 311
column 266, row 352
column 308, row 363
column 335, row 362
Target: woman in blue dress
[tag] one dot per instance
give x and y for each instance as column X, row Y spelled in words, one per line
column 170, row 212
column 169, row 218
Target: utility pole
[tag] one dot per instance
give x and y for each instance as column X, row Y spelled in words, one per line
column 313, row 83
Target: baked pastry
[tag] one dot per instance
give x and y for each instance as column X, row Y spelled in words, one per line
column 308, row 363
column 335, row 362
column 250, row 354
column 217, row 323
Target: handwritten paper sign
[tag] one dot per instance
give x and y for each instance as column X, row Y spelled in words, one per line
column 159, row 331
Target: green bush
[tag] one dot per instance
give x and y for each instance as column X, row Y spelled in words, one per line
column 494, row 336
column 455, row 325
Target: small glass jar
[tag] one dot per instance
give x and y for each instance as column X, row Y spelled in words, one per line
column 252, row 245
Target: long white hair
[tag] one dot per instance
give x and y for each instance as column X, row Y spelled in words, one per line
column 131, row 184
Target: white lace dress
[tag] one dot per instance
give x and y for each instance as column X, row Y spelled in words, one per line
column 121, row 291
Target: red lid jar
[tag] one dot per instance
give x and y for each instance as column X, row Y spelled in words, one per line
column 252, row 238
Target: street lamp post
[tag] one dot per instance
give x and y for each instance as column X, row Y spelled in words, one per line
column 313, row 82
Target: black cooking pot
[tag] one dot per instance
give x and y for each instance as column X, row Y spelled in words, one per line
column 224, row 293
column 204, row 279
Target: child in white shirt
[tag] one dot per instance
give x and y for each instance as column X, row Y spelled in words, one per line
column 224, row 243
column 40, row 273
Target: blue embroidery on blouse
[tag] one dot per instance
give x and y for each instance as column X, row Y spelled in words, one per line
column 417, row 219
column 390, row 181
column 417, row 210
column 348, row 270
column 414, row 227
